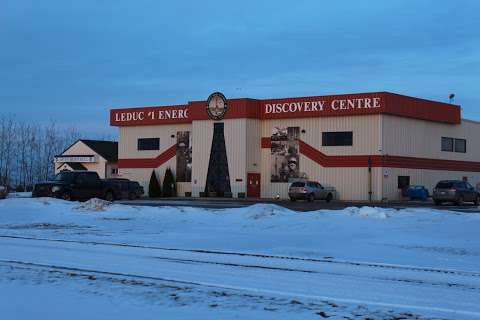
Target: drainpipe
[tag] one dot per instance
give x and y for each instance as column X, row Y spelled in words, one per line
column 370, row 179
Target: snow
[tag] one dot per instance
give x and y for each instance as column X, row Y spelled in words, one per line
column 329, row 257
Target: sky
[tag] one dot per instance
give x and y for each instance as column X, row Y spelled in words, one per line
column 72, row 61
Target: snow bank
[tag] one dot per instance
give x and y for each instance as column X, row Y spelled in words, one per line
column 94, row 205
column 418, row 236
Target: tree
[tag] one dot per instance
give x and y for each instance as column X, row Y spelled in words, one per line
column 154, row 190
column 169, row 189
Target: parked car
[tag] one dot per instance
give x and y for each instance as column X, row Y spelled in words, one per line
column 3, row 192
column 81, row 185
column 310, row 190
column 417, row 193
column 124, row 188
column 455, row 191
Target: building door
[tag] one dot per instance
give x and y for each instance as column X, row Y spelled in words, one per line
column 253, row 185
column 218, row 179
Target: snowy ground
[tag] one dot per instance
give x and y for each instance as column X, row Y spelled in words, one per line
column 71, row 260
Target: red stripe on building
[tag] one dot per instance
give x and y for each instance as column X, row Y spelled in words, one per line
column 381, row 161
column 149, row 162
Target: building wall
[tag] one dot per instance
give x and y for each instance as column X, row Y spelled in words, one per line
column 366, row 132
column 427, row 178
column 237, row 137
column 127, row 149
column 201, row 146
column 142, row 175
column 128, row 136
column 108, row 170
column 350, row 183
column 372, row 135
column 253, row 147
column 420, row 138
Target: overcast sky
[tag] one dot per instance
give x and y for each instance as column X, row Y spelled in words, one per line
column 74, row 60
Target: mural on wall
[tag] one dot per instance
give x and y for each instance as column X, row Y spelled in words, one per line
column 285, row 154
column 184, row 157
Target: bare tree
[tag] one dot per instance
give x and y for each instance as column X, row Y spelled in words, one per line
column 27, row 150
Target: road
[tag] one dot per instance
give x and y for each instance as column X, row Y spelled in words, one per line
column 297, row 206
column 452, row 294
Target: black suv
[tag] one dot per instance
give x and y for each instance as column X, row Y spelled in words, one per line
column 455, row 191
column 80, row 185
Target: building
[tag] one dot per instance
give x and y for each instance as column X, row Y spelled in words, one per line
column 365, row 145
column 93, row 155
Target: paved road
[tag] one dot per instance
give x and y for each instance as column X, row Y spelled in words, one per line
column 297, row 206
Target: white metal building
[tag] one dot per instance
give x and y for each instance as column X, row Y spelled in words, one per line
column 365, row 145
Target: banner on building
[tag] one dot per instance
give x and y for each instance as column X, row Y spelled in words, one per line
column 184, row 157
column 285, row 159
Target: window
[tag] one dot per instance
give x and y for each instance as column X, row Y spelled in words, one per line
column 344, row 138
column 114, row 171
column 461, row 145
column 148, row 144
column 447, row 144
column 403, row 182
column 454, row 145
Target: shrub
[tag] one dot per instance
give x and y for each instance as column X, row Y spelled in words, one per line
column 169, row 188
column 154, row 190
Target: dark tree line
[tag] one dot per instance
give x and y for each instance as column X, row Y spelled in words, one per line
column 27, row 150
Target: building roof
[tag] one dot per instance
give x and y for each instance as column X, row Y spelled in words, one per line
column 107, row 149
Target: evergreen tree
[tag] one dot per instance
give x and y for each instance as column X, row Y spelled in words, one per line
column 169, row 187
column 154, row 190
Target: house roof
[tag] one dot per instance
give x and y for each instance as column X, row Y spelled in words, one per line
column 107, row 149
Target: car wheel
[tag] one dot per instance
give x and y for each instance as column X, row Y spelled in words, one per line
column 459, row 202
column 329, row 197
column 293, row 199
column 66, row 196
column 437, row 202
column 311, row 197
column 109, row 196
column 477, row 201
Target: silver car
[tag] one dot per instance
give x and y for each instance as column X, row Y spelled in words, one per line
column 310, row 190
column 455, row 191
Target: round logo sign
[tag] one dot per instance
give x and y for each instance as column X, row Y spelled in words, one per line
column 216, row 106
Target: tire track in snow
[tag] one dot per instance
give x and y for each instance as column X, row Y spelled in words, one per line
column 126, row 276
column 265, row 256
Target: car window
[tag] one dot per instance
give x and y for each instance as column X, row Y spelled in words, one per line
column 445, row 185
column 318, row 185
column 298, row 184
column 460, row 185
column 311, row 184
column 469, row 186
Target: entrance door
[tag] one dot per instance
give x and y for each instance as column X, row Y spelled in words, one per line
column 218, row 180
column 253, row 185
